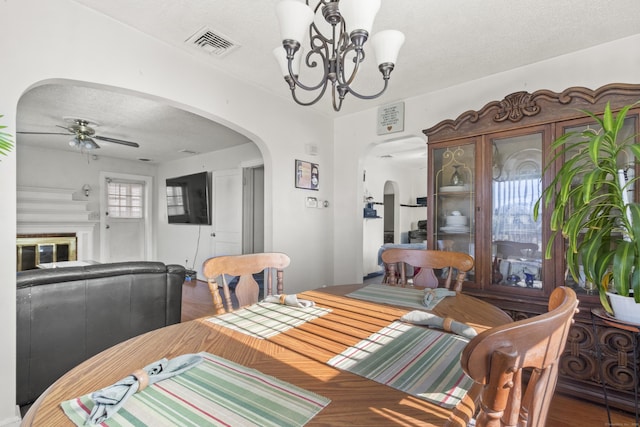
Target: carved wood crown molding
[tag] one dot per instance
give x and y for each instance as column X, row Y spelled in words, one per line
column 538, row 107
column 516, row 106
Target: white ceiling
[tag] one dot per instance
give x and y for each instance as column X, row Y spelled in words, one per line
column 447, row 42
column 162, row 131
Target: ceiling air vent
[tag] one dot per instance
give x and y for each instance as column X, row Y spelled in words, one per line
column 211, row 42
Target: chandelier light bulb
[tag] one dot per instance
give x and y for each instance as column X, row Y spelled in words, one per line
column 359, row 14
column 295, row 18
column 386, row 46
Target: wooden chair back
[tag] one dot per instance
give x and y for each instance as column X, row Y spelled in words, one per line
column 507, row 249
column 427, row 260
column 244, row 266
column 495, row 360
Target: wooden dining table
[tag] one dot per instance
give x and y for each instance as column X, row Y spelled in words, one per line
column 298, row 356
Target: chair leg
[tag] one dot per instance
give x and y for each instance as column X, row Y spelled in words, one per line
column 498, row 390
column 392, row 278
column 227, row 294
column 403, row 274
column 279, row 281
column 217, row 299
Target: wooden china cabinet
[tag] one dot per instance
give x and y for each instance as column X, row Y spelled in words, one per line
column 486, row 171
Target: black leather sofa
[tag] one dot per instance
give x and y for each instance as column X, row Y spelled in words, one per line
column 66, row 315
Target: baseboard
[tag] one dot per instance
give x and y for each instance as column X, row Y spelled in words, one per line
column 12, row 421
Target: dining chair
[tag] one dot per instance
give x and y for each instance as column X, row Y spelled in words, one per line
column 515, row 249
column 427, row 260
column 496, row 358
column 244, row 267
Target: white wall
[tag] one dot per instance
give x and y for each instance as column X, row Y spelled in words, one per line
column 618, row 61
column 179, row 242
column 48, row 168
column 378, row 172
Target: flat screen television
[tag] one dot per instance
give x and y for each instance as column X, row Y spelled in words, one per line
column 189, row 199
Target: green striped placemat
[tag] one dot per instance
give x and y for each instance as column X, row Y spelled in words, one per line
column 217, row 392
column 419, row 361
column 394, row 295
column 265, row 319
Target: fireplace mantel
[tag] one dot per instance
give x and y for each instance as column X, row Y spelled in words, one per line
column 53, row 210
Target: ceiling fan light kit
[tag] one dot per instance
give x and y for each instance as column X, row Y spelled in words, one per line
column 341, row 52
column 84, row 135
column 83, row 142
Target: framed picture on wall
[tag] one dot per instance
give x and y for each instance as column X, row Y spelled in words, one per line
column 307, row 175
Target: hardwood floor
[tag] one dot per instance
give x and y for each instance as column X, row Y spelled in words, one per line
column 196, row 300
column 565, row 411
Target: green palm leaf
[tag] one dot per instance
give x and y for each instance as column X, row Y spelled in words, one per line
column 6, row 144
column 587, row 207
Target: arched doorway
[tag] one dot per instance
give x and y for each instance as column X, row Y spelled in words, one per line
column 46, row 159
column 394, row 176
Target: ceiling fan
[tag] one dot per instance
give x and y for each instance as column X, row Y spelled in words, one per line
column 84, row 135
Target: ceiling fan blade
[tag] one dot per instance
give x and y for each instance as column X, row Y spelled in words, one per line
column 116, row 141
column 44, row 133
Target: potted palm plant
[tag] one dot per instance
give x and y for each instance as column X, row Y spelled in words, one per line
column 591, row 198
column 5, row 141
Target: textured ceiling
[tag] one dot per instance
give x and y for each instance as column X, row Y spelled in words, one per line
column 447, row 42
column 163, row 132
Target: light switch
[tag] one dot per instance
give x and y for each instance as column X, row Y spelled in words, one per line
column 312, row 202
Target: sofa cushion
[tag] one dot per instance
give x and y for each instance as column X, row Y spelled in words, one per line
column 66, row 315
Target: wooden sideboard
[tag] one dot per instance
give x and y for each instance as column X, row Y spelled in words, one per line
column 489, row 167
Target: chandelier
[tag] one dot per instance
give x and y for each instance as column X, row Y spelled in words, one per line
column 340, row 52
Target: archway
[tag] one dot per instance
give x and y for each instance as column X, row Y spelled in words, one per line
column 46, row 105
column 394, row 176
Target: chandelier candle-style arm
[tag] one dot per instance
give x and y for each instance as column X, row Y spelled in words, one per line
column 386, row 45
column 340, row 53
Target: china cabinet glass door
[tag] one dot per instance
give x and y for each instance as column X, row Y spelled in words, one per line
column 454, row 199
column 517, row 248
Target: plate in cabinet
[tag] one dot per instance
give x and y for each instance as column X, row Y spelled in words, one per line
column 455, row 229
column 454, row 188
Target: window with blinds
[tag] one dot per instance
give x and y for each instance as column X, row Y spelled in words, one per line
column 125, row 199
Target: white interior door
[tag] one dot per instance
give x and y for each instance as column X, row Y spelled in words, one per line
column 226, row 238
column 125, row 229
column 125, row 239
